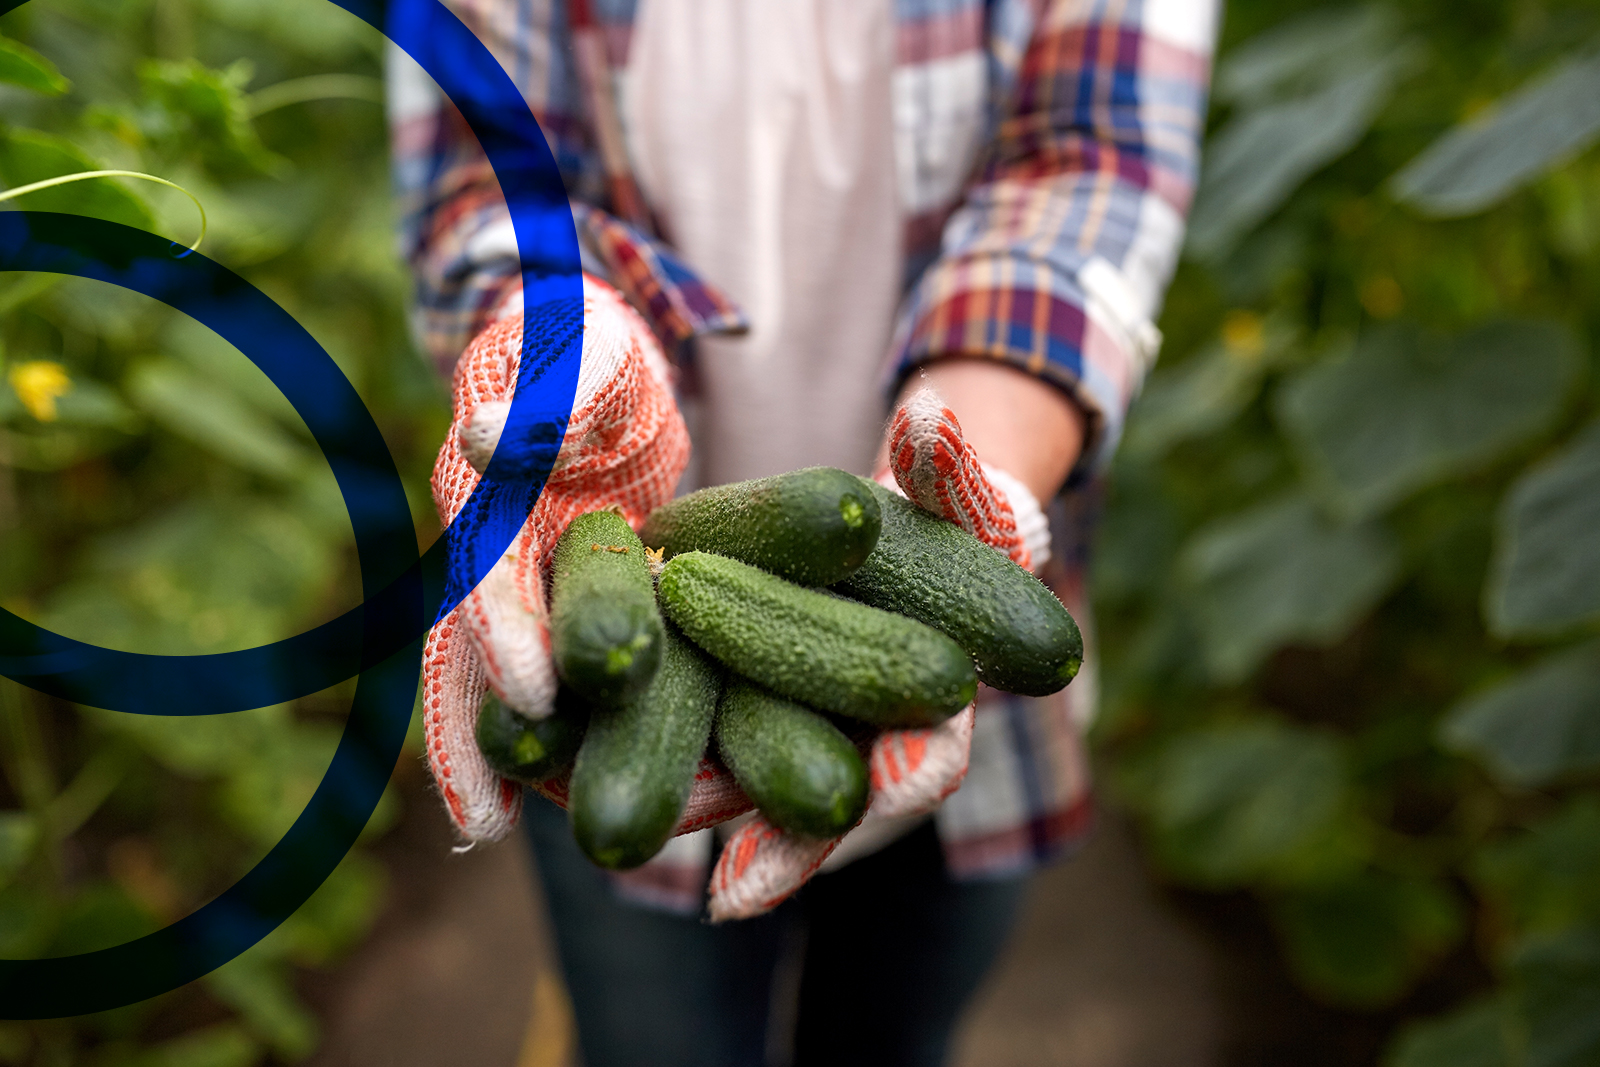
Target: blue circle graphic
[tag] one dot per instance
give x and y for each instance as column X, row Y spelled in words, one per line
column 404, row 592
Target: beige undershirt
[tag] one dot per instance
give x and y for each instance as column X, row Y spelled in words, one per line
column 762, row 135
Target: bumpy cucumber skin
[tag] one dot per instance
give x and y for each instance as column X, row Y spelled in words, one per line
column 820, row 649
column 811, row 526
column 605, row 629
column 638, row 760
column 801, row 771
column 1019, row 636
column 531, row 750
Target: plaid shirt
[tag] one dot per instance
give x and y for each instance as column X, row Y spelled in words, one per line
column 1047, row 152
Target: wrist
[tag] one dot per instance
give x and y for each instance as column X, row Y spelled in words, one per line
column 1013, row 420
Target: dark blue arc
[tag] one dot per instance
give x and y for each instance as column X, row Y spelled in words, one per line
column 350, row 440
column 404, row 594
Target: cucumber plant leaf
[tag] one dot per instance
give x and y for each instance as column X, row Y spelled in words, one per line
column 1555, row 993
column 1539, row 726
column 1234, row 801
column 21, row 65
column 1471, row 1036
column 1278, row 574
column 1407, row 409
column 1299, row 117
column 1539, row 126
column 28, row 156
column 1363, row 940
column 1547, row 878
column 1545, row 576
column 193, row 408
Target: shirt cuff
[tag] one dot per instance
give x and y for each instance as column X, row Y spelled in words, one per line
column 676, row 302
column 1070, row 329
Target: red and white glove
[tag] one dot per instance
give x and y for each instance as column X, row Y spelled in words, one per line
column 625, row 445
column 911, row 771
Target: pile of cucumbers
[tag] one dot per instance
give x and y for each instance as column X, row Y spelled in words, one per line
column 793, row 617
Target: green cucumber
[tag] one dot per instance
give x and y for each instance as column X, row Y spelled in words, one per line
column 811, row 526
column 638, row 760
column 605, row 630
column 814, row 647
column 801, row 771
column 1019, row 636
column 531, row 750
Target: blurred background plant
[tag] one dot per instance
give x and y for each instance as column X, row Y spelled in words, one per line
column 1348, row 578
column 157, row 494
column 1349, row 574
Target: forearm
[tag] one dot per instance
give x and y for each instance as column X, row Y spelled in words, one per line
column 1014, row 421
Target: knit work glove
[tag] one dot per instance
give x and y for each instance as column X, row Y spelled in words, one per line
column 910, row 771
column 625, row 445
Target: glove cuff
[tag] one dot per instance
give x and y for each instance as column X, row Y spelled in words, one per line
column 1032, row 525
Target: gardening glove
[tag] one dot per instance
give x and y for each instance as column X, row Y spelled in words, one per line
column 625, row 446
column 910, row 771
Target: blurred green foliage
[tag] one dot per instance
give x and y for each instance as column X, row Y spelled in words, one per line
column 1348, row 580
column 1349, row 573
column 157, row 494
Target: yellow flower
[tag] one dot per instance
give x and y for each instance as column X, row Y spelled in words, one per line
column 1244, row 334
column 38, row 383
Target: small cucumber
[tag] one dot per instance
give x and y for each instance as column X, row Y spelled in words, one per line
column 1019, row 636
column 605, row 630
column 638, row 760
column 815, row 647
column 811, row 526
column 801, row 771
column 531, row 750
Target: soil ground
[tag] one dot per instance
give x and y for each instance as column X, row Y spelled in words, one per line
column 1101, row 972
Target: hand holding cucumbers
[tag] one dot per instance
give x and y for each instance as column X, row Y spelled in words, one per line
column 736, row 646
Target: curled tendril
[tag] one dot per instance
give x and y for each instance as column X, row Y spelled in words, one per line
column 23, row 190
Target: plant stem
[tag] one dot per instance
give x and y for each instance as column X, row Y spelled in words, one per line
column 28, row 768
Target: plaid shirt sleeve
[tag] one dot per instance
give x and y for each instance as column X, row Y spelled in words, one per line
column 1056, row 260
column 456, row 230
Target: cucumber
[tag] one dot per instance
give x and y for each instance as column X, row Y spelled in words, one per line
column 531, row 750
column 811, row 526
column 1019, row 636
column 801, row 771
column 605, row 631
column 817, row 648
column 638, row 760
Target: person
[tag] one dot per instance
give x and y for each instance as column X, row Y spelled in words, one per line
column 811, row 207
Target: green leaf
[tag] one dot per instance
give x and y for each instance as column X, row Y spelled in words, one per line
column 220, row 1045
column 1535, row 128
column 1471, row 1036
column 1363, row 941
column 1405, row 410
column 193, row 408
column 207, row 112
column 1280, row 574
column 1194, row 398
column 1258, row 159
column 261, row 992
column 19, row 835
column 337, row 916
column 28, row 156
column 28, row 921
column 1536, row 728
column 1547, row 877
column 1556, row 998
column 102, row 915
column 21, row 65
column 1546, row 571
column 1236, row 802
column 199, row 578
column 1296, row 52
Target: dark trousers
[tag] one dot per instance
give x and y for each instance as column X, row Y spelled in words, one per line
column 888, row 951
